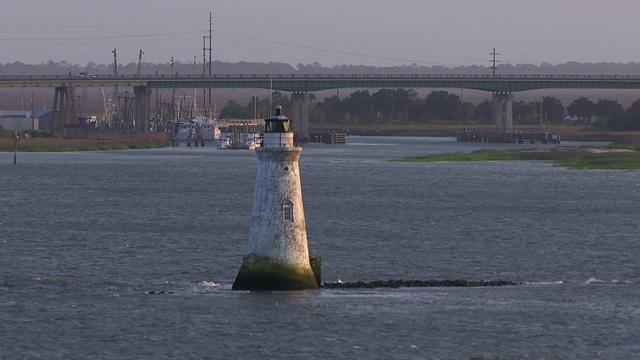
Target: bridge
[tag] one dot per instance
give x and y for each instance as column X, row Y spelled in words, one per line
column 318, row 82
column 502, row 87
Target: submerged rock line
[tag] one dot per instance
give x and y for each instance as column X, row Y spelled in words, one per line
column 415, row 283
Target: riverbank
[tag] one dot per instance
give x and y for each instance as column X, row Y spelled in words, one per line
column 122, row 141
column 94, row 142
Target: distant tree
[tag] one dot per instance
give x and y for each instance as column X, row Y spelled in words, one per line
column 259, row 108
column 384, row 102
column 524, row 112
column 621, row 122
column 359, row 106
column 233, row 110
column 581, row 107
column 331, row 110
column 278, row 98
column 483, row 112
column 466, row 111
column 632, row 118
column 552, row 109
column 607, row 108
column 634, row 109
column 610, row 114
column 315, row 68
column 442, row 105
column 406, row 103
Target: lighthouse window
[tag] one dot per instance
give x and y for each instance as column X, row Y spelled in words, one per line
column 287, row 211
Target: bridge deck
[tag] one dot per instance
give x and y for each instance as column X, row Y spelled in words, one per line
column 313, row 82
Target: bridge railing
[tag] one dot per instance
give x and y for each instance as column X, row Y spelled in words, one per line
column 312, row 76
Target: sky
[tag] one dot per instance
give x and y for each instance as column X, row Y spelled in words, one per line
column 447, row 33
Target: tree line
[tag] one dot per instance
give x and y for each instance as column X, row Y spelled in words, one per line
column 244, row 67
column 405, row 106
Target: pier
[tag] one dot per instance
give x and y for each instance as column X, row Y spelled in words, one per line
column 328, row 137
column 517, row 137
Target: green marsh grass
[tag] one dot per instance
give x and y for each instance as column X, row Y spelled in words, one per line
column 621, row 158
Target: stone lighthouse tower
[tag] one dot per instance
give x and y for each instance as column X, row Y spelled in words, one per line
column 277, row 254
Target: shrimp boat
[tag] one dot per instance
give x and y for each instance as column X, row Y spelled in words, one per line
column 240, row 134
column 206, row 129
column 198, row 129
column 244, row 141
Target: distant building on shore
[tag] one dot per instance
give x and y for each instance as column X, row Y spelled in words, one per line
column 40, row 119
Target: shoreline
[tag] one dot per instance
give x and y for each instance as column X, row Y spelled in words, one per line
column 123, row 141
column 94, row 142
column 567, row 132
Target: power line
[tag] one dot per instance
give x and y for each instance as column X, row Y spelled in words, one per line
column 99, row 37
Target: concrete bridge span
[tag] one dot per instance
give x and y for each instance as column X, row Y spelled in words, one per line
column 502, row 86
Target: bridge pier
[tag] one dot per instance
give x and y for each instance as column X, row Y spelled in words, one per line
column 64, row 105
column 300, row 113
column 503, row 111
column 142, row 102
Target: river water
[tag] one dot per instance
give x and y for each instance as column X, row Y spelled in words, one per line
column 131, row 254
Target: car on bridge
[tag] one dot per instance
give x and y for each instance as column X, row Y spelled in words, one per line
column 573, row 119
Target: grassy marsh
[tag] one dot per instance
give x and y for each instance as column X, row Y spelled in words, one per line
column 616, row 157
column 112, row 142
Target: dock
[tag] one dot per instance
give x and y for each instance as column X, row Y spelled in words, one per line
column 329, row 137
column 514, row 137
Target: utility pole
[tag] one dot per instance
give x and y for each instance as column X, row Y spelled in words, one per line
column 139, row 62
column 115, row 63
column 494, row 61
column 206, row 66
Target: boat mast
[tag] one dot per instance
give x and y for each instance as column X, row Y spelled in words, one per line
column 194, row 107
column 206, row 65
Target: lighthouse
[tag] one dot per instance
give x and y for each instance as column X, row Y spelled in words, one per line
column 277, row 255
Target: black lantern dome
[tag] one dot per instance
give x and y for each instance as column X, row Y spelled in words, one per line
column 277, row 123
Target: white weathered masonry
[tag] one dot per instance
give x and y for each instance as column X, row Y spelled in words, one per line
column 277, row 254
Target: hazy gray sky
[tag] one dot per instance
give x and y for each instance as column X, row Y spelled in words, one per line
column 330, row 32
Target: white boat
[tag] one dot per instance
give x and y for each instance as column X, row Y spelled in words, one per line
column 198, row 129
column 183, row 131
column 239, row 141
column 252, row 141
column 206, row 129
column 223, row 143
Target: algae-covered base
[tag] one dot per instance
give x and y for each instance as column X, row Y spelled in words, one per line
column 260, row 274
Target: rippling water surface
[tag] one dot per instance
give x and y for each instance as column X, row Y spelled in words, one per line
column 131, row 254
